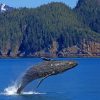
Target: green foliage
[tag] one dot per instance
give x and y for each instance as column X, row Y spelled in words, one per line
column 27, row 30
column 89, row 12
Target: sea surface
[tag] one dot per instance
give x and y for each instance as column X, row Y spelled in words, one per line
column 79, row 83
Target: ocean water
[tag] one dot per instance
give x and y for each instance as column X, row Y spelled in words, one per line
column 79, row 83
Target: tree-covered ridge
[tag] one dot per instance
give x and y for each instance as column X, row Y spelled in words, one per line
column 89, row 12
column 51, row 28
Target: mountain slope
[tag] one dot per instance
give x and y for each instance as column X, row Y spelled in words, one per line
column 89, row 12
column 50, row 30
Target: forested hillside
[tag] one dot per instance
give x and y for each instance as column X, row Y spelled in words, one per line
column 49, row 30
column 89, row 13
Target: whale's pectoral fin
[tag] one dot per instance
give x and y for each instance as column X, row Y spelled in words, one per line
column 46, row 59
column 42, row 80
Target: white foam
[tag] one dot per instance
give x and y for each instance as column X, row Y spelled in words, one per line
column 31, row 92
column 12, row 91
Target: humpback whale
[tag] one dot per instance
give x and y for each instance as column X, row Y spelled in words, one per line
column 43, row 70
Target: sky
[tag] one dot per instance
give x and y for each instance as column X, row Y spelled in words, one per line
column 35, row 3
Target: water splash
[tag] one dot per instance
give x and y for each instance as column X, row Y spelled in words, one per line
column 12, row 91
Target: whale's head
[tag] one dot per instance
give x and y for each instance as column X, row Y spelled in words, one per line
column 62, row 66
column 66, row 65
column 71, row 64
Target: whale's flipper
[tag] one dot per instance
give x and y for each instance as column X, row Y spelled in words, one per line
column 42, row 81
column 46, row 59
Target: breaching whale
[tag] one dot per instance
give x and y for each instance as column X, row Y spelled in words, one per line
column 43, row 70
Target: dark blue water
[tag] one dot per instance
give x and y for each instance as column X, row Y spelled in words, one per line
column 79, row 83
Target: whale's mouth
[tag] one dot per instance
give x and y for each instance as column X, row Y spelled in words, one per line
column 12, row 91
